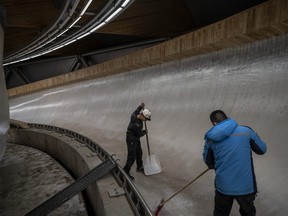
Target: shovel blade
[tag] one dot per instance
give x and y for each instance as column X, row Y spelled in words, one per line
column 151, row 165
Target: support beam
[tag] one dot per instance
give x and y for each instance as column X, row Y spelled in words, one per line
column 78, row 63
column 83, row 60
column 74, row 64
column 19, row 74
column 8, row 75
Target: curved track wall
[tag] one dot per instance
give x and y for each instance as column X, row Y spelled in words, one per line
column 249, row 83
column 80, row 156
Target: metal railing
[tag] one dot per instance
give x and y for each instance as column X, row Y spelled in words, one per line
column 136, row 201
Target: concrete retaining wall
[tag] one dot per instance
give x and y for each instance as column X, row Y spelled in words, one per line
column 79, row 159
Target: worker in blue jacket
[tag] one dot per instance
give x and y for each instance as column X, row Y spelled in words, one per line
column 227, row 149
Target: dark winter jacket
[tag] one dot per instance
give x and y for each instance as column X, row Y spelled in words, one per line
column 135, row 127
column 227, row 149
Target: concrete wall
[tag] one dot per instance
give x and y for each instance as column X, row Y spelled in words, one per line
column 4, row 111
column 76, row 158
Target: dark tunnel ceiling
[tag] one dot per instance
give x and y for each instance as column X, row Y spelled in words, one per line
column 144, row 20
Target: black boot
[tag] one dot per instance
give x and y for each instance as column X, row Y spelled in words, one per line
column 131, row 177
column 141, row 169
column 127, row 171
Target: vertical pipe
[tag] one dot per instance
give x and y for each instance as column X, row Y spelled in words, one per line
column 4, row 110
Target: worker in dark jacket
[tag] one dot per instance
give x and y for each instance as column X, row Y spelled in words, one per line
column 228, row 150
column 133, row 134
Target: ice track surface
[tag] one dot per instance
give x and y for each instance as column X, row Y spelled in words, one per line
column 250, row 83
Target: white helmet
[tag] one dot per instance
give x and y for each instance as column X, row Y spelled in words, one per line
column 146, row 113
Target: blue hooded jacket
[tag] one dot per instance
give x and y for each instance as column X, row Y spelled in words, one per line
column 227, row 149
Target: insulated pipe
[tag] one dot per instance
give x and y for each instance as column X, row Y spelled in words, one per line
column 64, row 10
column 72, row 38
column 90, row 25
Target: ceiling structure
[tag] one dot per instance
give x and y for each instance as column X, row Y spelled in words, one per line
column 140, row 24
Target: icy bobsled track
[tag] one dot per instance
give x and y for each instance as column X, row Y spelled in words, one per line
column 88, row 162
column 248, row 82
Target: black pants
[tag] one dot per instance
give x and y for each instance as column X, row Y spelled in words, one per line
column 223, row 204
column 134, row 153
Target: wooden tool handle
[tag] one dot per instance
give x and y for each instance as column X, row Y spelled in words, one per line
column 147, row 138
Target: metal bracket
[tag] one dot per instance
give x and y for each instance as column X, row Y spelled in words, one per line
column 91, row 154
column 71, row 139
column 115, row 192
column 81, row 145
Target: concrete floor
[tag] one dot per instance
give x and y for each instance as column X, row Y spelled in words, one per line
column 249, row 83
column 28, row 177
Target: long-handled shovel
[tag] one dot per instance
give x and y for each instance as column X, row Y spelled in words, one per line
column 162, row 202
column 151, row 162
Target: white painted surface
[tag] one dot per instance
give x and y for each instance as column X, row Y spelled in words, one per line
column 249, row 83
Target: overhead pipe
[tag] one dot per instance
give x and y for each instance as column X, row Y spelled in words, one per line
column 90, row 27
column 44, row 34
column 78, row 35
column 28, row 49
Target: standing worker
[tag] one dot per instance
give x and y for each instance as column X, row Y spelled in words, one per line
column 133, row 134
column 227, row 149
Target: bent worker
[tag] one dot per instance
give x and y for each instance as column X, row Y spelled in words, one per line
column 227, row 149
column 134, row 133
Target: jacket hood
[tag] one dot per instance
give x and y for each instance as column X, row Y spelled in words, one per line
column 221, row 131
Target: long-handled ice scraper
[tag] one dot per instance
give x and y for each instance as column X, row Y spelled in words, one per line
column 162, row 202
column 151, row 162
